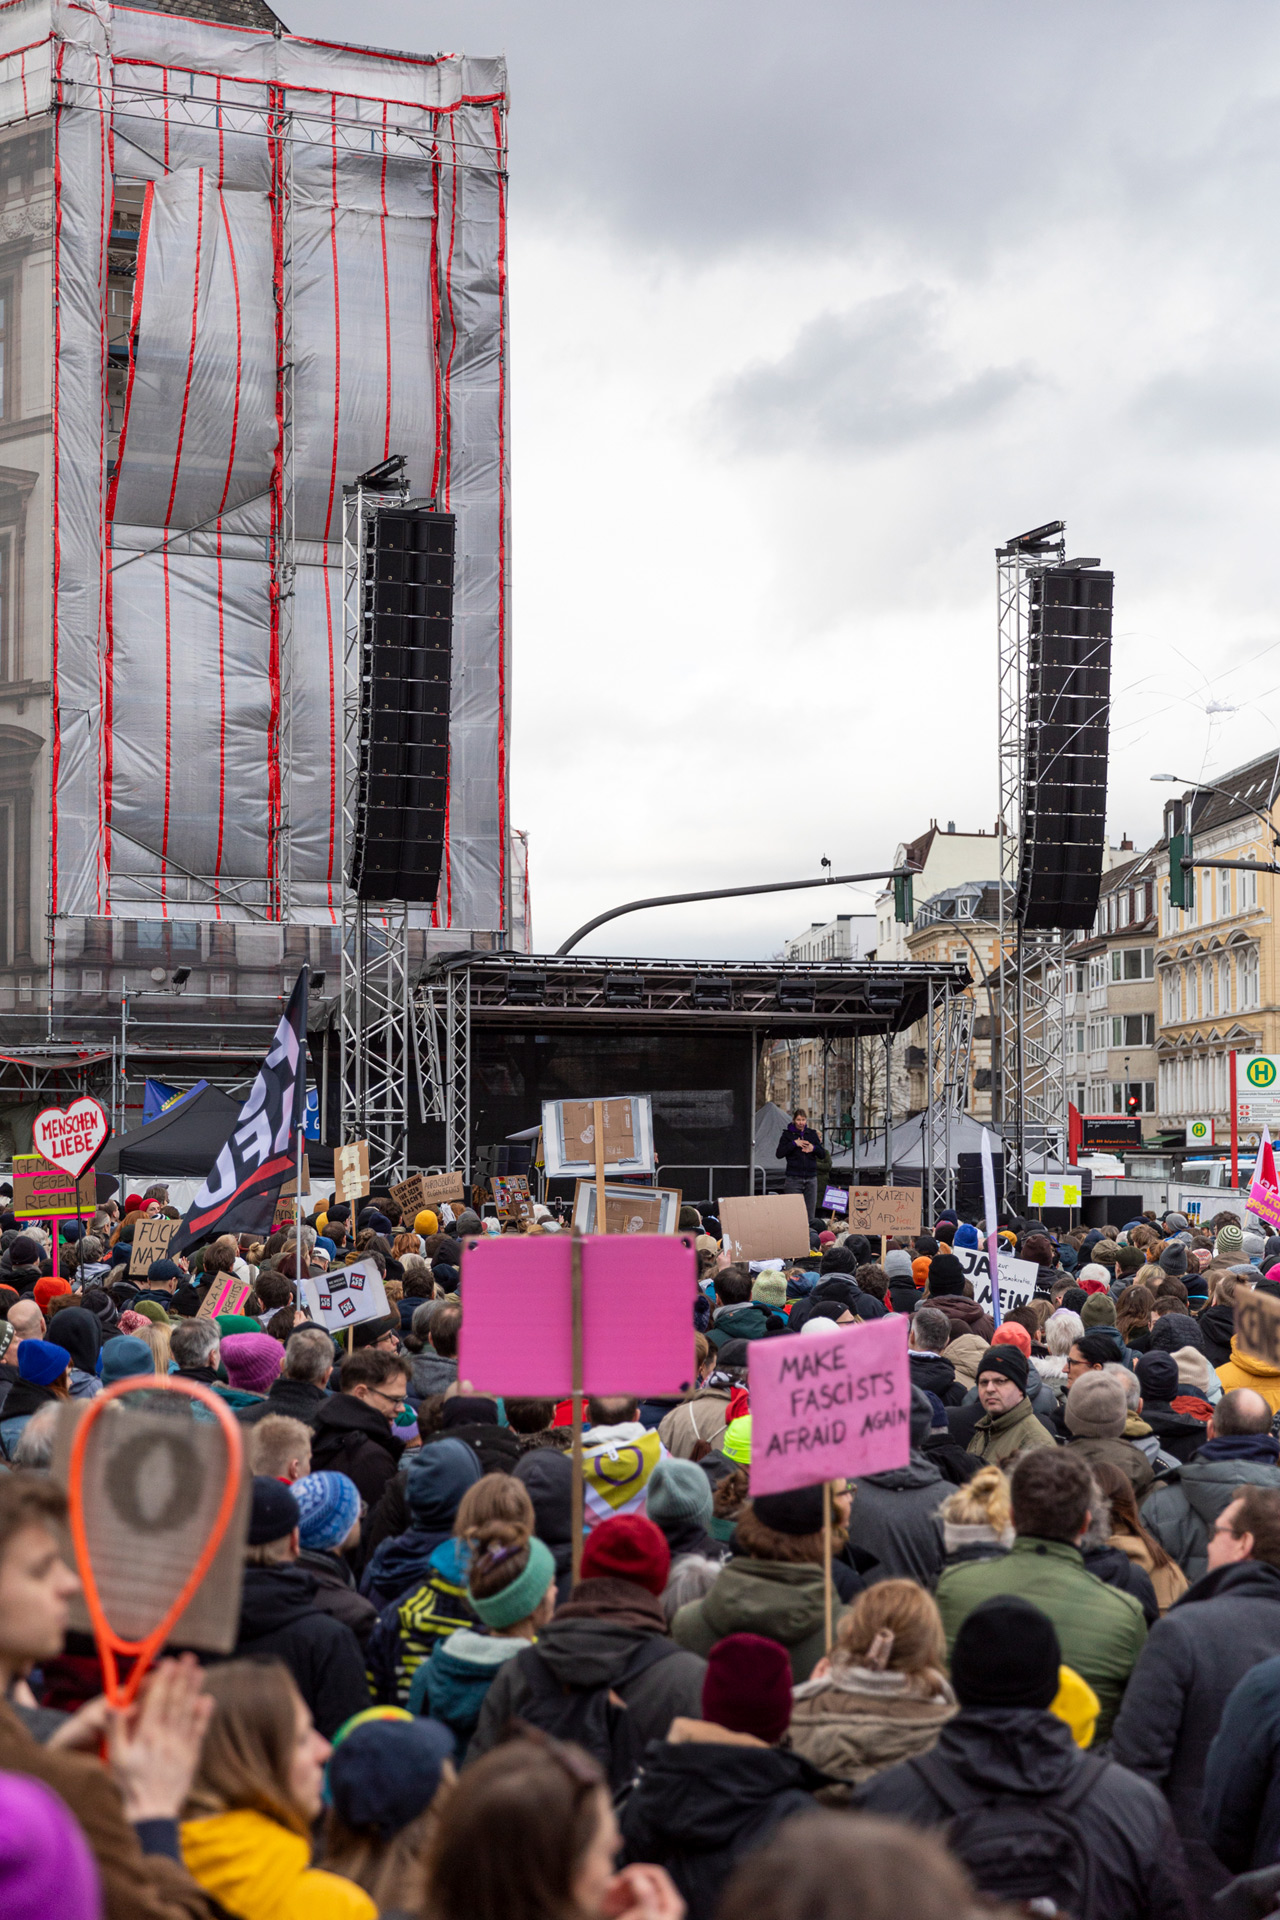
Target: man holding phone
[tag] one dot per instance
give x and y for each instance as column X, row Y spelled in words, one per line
column 800, row 1147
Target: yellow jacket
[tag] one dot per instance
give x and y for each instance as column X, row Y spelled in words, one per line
column 261, row 1871
column 1242, row 1370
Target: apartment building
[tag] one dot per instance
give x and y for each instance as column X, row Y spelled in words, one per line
column 1112, row 1018
column 959, row 923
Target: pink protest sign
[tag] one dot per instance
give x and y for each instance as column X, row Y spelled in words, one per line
column 1264, row 1197
column 824, row 1408
column 637, row 1314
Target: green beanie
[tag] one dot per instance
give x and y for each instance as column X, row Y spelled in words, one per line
column 518, row 1600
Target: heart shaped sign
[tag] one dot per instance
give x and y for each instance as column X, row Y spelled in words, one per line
column 73, row 1136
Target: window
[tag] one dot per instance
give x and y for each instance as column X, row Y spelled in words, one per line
column 1126, row 900
column 1139, row 963
column 1139, row 1030
column 1079, row 1036
column 1117, row 1027
column 1079, row 979
column 1248, row 884
column 1249, row 978
column 1117, row 1097
column 7, row 368
column 1189, row 982
column 1224, row 892
column 18, row 752
column 1148, row 1096
column 1172, row 994
column 1206, row 988
column 1206, row 896
column 1224, row 985
column 1117, row 962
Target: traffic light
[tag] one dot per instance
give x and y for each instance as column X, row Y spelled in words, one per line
column 1133, row 1100
column 903, row 898
column 1182, row 881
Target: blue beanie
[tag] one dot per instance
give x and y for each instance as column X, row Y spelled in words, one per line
column 329, row 1506
column 40, row 1362
column 439, row 1475
column 330, row 1246
column 122, row 1358
column 966, row 1236
column 384, row 1773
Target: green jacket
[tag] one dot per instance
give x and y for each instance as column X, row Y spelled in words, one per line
column 781, row 1602
column 998, row 1441
column 746, row 1322
column 1100, row 1630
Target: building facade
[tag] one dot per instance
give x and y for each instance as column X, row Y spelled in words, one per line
column 959, row 923
column 849, row 936
column 940, row 858
column 1113, row 1014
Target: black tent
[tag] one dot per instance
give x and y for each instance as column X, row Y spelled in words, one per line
column 184, row 1141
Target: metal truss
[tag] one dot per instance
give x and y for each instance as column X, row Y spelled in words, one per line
column 374, row 1040
column 1041, row 984
column 946, row 1086
column 284, row 585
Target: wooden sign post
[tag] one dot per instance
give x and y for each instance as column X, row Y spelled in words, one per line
column 598, row 1130
column 826, row 1560
column 579, row 1493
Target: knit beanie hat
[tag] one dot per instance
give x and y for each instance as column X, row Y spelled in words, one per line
column 1011, row 1333
column 921, row 1416
column 385, row 1773
column 47, row 1290
column 252, row 1361
column 747, row 1686
column 770, row 1289
column 41, row 1362
column 1174, row 1330
column 1157, row 1376
column 1092, row 1275
column 438, row 1476
column 150, row 1310
column 24, row 1251
column 1099, row 1310
column 122, row 1359
column 1006, row 1654
column 1096, row 1407
column 628, row 1547
column 1230, row 1239
column 274, row 1510
column 966, row 1236
column 898, row 1265
column 1173, row 1260
column 797, row 1512
column 328, row 1508
column 1006, row 1360
column 426, row 1222
column 678, row 1490
column 518, row 1599
column 946, row 1275
column 47, row 1871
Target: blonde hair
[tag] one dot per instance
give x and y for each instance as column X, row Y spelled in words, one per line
column 1150, row 1276
column 272, row 1443
column 984, row 1501
column 247, row 1755
column 498, row 1496
column 158, row 1338
column 909, row 1616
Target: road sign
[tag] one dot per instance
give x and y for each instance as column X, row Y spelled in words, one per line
column 1258, row 1090
column 1199, row 1133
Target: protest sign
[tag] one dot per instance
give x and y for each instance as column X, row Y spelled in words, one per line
column 1055, row 1190
column 1258, row 1326
column 351, row 1171
column 569, row 1135
column 828, row 1407
column 407, row 1196
column 765, row 1226
column 1017, row 1277
column 510, row 1194
column 226, row 1295
column 72, row 1137
column 438, row 1187
column 1264, row 1197
column 835, row 1200
column 291, row 1184
column 41, row 1190
column 888, row 1210
column 627, row 1209
column 637, row 1326
column 286, row 1213
column 151, row 1238
column 345, row 1296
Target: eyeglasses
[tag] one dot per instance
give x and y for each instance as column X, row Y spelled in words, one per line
column 395, row 1403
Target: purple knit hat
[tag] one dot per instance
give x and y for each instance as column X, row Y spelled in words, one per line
column 252, row 1360
column 46, row 1869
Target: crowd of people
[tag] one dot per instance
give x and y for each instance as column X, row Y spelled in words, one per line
column 1052, row 1682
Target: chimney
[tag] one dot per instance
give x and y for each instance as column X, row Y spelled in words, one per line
column 951, row 826
column 1126, row 845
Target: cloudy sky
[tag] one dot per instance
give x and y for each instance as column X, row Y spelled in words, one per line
column 811, row 307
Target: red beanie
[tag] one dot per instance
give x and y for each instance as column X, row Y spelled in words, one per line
column 1012, row 1333
column 747, row 1686
column 48, row 1289
column 1092, row 1286
column 628, row 1547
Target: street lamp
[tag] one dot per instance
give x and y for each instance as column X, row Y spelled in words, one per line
column 1207, row 786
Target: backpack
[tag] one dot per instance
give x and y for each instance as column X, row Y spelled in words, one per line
column 590, row 1716
column 1019, row 1849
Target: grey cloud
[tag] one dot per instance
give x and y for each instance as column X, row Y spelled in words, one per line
column 1232, row 406
column 868, row 381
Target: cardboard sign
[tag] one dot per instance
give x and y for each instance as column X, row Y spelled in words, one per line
column 285, row 1214
column 830, row 1407
column 887, row 1210
column 835, row 1200
column 765, row 1226
column 351, row 1171
column 637, row 1314
column 151, row 1238
column 227, row 1295
column 510, row 1193
column 291, row 1184
column 407, row 1196
column 569, row 1135
column 345, row 1296
column 1017, row 1278
column 1055, row 1190
column 41, row 1189
column 439, row 1187
column 1258, row 1326
column 72, row 1137
column 627, row 1209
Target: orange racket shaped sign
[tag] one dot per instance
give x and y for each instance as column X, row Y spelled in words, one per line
column 152, row 1486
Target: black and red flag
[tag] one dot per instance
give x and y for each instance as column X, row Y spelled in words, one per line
column 241, row 1188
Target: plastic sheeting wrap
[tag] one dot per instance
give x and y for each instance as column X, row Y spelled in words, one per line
column 334, row 211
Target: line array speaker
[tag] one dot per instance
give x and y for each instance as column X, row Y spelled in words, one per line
column 405, row 672
column 1067, row 733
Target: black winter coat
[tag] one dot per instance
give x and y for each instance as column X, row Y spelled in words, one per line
column 352, row 1437
column 699, row 1806
column 336, row 1592
column 297, row 1399
column 1217, row 1324
column 1242, row 1774
column 1138, row 1868
column 934, row 1374
column 800, row 1166
column 1114, row 1566
column 280, row 1619
column 1194, row 1657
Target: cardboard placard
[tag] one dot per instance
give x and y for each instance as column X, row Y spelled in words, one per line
column 151, row 1238
column 72, row 1137
column 285, row 1214
column 1017, row 1278
column 345, row 1296
column 227, row 1295
column 637, row 1314
column 510, row 1195
column 627, row 1209
column 1258, row 1326
column 351, row 1171
column 407, row 1196
column 291, row 1184
column 569, row 1135
column 41, row 1189
column 438, row 1187
column 765, row 1226
column 887, row 1210
column 825, row 1408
